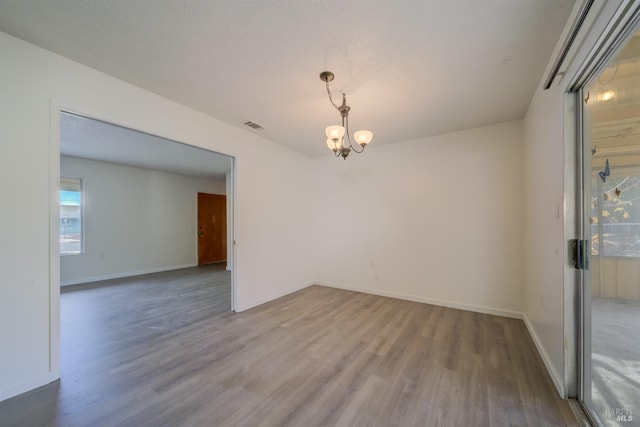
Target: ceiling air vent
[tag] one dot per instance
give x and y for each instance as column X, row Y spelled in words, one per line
column 253, row 125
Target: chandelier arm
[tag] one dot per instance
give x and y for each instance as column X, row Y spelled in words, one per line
column 350, row 144
column 353, row 147
column 345, row 123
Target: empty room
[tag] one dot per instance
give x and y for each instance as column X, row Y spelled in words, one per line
column 424, row 213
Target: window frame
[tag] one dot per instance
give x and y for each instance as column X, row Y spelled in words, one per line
column 72, row 183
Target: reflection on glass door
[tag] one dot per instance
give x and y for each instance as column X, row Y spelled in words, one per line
column 611, row 304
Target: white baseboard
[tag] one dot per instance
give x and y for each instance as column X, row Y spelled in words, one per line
column 439, row 302
column 260, row 301
column 16, row 389
column 557, row 379
column 125, row 274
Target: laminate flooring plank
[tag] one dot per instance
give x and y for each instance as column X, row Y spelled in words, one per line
column 164, row 350
column 363, row 408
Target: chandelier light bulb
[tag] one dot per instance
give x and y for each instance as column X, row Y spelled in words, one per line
column 334, row 132
column 363, row 137
column 334, row 145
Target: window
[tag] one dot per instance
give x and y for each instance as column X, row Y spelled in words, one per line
column 71, row 216
column 615, row 215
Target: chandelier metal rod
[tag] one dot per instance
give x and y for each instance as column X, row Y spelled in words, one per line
column 326, row 82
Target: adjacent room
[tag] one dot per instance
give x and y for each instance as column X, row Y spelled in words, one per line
column 311, row 213
column 133, row 203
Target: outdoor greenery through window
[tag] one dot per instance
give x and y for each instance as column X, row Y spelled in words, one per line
column 615, row 215
column 70, row 216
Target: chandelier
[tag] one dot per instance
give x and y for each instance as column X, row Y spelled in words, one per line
column 335, row 134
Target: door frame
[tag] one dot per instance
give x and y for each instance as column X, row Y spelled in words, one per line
column 226, row 213
column 583, row 309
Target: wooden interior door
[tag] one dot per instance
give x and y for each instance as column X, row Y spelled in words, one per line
column 212, row 228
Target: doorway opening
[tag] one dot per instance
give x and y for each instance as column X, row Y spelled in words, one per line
column 133, row 202
column 137, row 198
column 130, row 273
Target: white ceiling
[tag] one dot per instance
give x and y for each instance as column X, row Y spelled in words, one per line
column 410, row 68
column 93, row 139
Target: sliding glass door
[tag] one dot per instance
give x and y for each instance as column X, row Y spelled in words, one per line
column 610, row 291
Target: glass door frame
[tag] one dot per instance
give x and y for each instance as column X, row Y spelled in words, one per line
column 584, row 352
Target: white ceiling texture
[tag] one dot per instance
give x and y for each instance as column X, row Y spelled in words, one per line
column 410, row 69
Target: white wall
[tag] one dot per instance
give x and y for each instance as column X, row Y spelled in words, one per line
column 271, row 183
column 435, row 220
column 544, row 228
column 136, row 220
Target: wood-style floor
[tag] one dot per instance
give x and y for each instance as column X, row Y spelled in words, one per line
column 164, row 350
